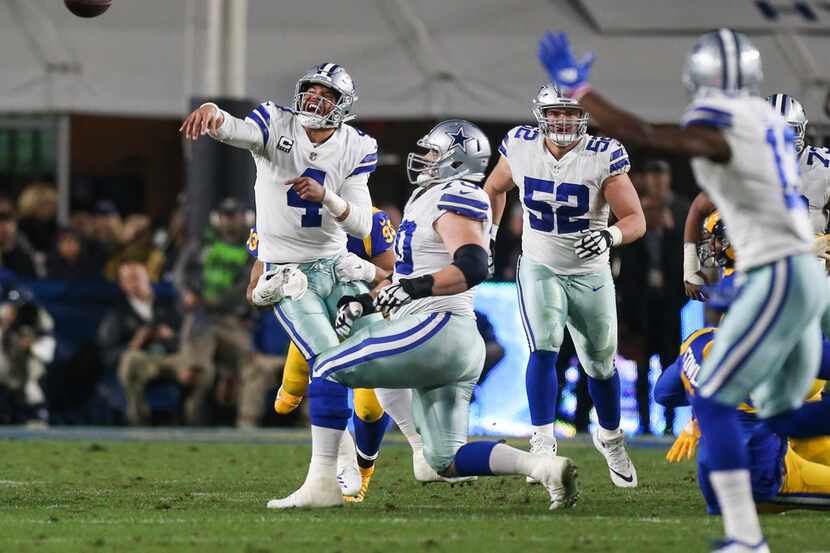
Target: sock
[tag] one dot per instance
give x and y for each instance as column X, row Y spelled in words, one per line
column 346, row 450
column 810, row 420
column 492, row 458
column 325, row 443
column 544, row 429
column 542, row 387
column 734, row 491
column 606, row 397
column 398, row 404
column 368, row 436
column 329, row 404
column 729, row 462
column 722, row 433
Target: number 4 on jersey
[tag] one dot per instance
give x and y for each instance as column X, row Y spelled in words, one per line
column 311, row 217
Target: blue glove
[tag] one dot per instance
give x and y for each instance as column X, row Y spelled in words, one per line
column 720, row 296
column 556, row 57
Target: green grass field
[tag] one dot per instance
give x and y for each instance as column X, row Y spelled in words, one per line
column 201, row 497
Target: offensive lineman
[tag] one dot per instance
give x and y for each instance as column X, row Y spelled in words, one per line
column 432, row 343
column 743, row 156
column 567, row 181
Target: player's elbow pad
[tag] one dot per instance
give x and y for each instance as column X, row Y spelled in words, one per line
column 471, row 260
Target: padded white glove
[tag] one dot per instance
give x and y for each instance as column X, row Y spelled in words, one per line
column 593, row 244
column 391, row 298
column 284, row 281
column 350, row 267
column 347, row 314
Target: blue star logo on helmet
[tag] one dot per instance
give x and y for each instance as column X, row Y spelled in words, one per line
column 459, row 139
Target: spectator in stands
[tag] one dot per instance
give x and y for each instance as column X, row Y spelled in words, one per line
column 509, row 245
column 107, row 227
column 212, row 278
column 140, row 336
column 69, row 259
column 169, row 243
column 27, row 347
column 16, row 253
column 37, row 208
column 649, row 297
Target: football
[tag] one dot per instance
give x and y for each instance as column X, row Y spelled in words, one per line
column 88, row 8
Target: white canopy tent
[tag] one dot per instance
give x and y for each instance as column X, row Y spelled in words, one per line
column 410, row 58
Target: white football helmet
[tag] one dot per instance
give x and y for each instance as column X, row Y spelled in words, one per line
column 723, row 60
column 562, row 131
column 325, row 114
column 793, row 112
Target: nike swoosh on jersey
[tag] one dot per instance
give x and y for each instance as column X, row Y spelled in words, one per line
column 597, row 288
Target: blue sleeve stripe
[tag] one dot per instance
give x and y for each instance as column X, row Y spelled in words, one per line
column 364, row 169
column 255, row 117
column 471, row 202
column 616, row 166
column 263, row 112
column 617, row 153
column 370, row 157
column 502, row 150
column 712, row 111
column 463, row 211
column 708, row 122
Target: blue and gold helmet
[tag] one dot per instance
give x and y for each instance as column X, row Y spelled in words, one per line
column 714, row 248
column 317, row 112
column 723, row 60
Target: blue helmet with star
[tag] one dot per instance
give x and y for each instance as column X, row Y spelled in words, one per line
column 456, row 149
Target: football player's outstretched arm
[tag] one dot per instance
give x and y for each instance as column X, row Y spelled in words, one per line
column 691, row 141
column 693, row 279
column 222, row 126
column 571, row 75
column 256, row 272
column 622, row 198
column 496, row 186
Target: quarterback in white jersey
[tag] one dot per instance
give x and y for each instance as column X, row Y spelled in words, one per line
column 569, row 183
column 769, row 343
column 432, row 344
column 311, row 190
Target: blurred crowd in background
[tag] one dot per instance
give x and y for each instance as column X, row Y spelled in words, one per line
column 113, row 319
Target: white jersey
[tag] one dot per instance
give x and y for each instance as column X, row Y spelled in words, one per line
column 561, row 198
column 419, row 249
column 290, row 229
column 757, row 191
column 815, row 185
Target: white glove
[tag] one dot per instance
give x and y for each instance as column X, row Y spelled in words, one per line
column 391, row 298
column 350, row 267
column 283, row 281
column 593, row 244
column 350, row 309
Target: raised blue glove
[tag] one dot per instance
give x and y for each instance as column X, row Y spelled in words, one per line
column 569, row 75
